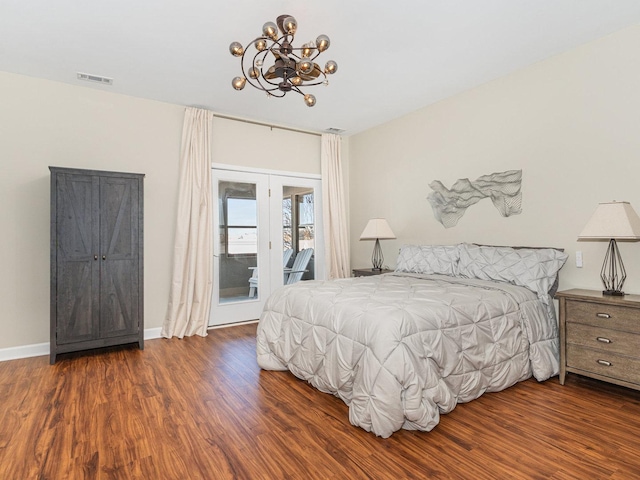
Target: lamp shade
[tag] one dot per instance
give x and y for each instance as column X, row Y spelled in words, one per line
column 377, row 229
column 612, row 220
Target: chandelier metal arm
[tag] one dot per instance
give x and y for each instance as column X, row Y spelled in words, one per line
column 264, row 53
column 297, row 90
column 318, row 82
column 258, row 84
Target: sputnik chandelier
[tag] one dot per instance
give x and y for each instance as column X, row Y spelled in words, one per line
column 290, row 71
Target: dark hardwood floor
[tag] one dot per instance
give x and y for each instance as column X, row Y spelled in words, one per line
column 200, row 408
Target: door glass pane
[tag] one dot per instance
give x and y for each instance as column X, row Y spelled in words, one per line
column 306, row 233
column 241, row 225
column 238, row 227
column 287, row 240
column 298, row 232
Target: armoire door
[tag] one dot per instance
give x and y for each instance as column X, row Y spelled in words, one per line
column 78, row 268
column 119, row 247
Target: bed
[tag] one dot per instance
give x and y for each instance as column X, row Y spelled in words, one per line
column 400, row 349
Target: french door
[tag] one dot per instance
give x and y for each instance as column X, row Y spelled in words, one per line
column 260, row 221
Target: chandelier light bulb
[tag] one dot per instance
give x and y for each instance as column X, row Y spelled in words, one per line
column 270, row 30
column 307, row 49
column 297, row 81
column 290, row 25
column 305, row 66
column 254, row 72
column 322, row 42
column 310, row 100
column 258, row 62
column 236, row 49
column 331, row 67
column 260, row 44
column 239, row 83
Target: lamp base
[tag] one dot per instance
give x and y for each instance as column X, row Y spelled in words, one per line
column 377, row 259
column 613, row 293
column 613, row 273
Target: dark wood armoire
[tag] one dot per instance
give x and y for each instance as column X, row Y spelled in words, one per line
column 96, row 259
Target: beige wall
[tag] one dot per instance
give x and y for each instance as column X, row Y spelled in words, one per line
column 571, row 123
column 257, row 146
column 46, row 123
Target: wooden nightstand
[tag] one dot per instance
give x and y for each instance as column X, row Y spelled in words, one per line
column 600, row 336
column 367, row 272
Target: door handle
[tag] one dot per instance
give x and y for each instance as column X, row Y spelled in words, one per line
column 104, row 257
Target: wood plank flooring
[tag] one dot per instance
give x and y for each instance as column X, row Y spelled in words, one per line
column 200, row 408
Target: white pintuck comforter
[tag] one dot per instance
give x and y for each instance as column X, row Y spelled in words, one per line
column 400, row 349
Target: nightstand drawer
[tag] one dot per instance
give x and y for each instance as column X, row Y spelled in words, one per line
column 602, row 363
column 601, row 315
column 605, row 340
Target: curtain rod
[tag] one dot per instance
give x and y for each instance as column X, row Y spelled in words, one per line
column 253, row 122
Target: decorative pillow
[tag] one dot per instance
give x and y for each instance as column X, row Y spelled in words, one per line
column 428, row 259
column 534, row 268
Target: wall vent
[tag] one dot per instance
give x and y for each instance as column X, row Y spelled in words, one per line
column 95, row 78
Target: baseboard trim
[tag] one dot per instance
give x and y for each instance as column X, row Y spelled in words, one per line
column 24, row 351
column 227, row 325
column 39, row 349
column 151, row 333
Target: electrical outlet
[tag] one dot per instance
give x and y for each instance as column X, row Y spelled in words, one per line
column 579, row 259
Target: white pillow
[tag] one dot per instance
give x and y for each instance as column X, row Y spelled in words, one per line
column 428, row 259
column 533, row 268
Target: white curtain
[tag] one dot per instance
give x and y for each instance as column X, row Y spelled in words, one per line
column 336, row 234
column 190, row 295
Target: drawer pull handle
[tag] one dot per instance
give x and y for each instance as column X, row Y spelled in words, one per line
column 603, row 315
column 605, row 363
column 603, row 340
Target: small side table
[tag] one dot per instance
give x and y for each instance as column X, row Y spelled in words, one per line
column 600, row 336
column 367, row 272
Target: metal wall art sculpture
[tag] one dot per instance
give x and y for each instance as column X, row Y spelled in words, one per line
column 503, row 188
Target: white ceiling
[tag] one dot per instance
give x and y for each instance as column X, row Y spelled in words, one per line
column 393, row 56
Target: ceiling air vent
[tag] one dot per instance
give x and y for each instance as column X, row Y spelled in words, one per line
column 337, row 131
column 95, row 78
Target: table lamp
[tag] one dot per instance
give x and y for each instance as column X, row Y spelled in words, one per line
column 613, row 221
column 377, row 229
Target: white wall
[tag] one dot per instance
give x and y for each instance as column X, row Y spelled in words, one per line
column 571, row 123
column 45, row 123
